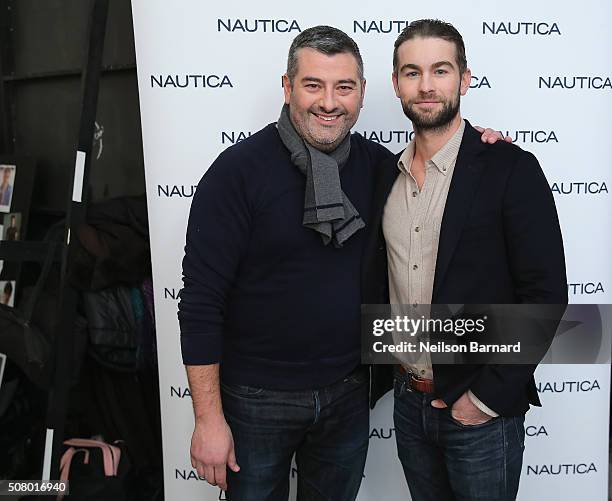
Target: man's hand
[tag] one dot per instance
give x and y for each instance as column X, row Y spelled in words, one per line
column 464, row 411
column 491, row 136
column 212, row 450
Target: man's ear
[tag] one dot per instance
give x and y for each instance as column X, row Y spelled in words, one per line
column 363, row 89
column 466, row 80
column 286, row 88
column 395, row 84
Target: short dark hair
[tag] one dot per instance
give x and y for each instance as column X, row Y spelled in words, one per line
column 432, row 28
column 325, row 39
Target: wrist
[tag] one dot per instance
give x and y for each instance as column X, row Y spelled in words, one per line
column 213, row 418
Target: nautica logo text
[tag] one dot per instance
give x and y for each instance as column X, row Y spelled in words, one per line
column 262, row 25
column 516, row 28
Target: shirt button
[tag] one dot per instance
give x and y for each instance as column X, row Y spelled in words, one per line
column 414, row 193
column 422, row 371
column 444, row 169
column 415, row 266
column 414, row 305
column 417, row 229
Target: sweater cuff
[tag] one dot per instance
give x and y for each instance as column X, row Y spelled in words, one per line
column 478, row 403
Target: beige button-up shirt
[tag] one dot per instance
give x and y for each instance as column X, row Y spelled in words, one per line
column 411, row 225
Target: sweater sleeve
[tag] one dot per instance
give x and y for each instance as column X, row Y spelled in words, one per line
column 216, row 240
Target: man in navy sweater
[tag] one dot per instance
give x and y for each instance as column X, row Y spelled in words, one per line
column 270, row 309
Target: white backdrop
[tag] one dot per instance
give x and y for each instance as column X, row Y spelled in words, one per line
column 209, row 74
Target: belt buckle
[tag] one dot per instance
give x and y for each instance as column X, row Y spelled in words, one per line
column 414, row 379
column 411, row 378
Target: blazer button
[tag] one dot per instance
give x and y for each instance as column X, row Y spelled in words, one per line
column 380, row 248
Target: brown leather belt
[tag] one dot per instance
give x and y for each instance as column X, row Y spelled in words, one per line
column 416, row 383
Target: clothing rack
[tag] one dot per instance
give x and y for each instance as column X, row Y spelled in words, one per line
column 24, row 251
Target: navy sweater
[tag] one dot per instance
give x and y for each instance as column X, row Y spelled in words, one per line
column 262, row 295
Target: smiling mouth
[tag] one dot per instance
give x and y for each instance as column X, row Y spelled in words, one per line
column 327, row 118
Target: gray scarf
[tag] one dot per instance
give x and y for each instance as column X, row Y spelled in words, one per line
column 327, row 209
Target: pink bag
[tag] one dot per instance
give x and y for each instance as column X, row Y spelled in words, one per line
column 111, row 455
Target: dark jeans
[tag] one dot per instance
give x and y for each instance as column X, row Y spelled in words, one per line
column 444, row 460
column 327, row 429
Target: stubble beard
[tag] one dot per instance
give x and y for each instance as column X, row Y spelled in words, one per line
column 438, row 122
column 312, row 134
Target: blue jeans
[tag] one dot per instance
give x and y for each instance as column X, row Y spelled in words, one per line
column 444, row 460
column 327, row 429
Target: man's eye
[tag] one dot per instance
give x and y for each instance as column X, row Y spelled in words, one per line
column 411, row 74
column 345, row 87
column 441, row 72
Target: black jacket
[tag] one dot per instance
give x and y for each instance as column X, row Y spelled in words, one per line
column 500, row 243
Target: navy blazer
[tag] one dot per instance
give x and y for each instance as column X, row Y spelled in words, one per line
column 500, row 243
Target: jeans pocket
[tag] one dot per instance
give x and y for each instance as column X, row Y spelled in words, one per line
column 399, row 387
column 471, row 426
column 519, row 427
column 240, row 390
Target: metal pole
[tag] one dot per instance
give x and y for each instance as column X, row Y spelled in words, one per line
column 76, row 215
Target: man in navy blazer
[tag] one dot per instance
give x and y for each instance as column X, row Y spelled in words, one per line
column 455, row 220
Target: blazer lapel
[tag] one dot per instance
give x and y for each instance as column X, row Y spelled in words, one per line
column 388, row 175
column 466, row 176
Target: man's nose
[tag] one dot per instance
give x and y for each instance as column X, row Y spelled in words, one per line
column 328, row 100
column 426, row 83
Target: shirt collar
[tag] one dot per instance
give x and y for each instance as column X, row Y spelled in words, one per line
column 444, row 158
